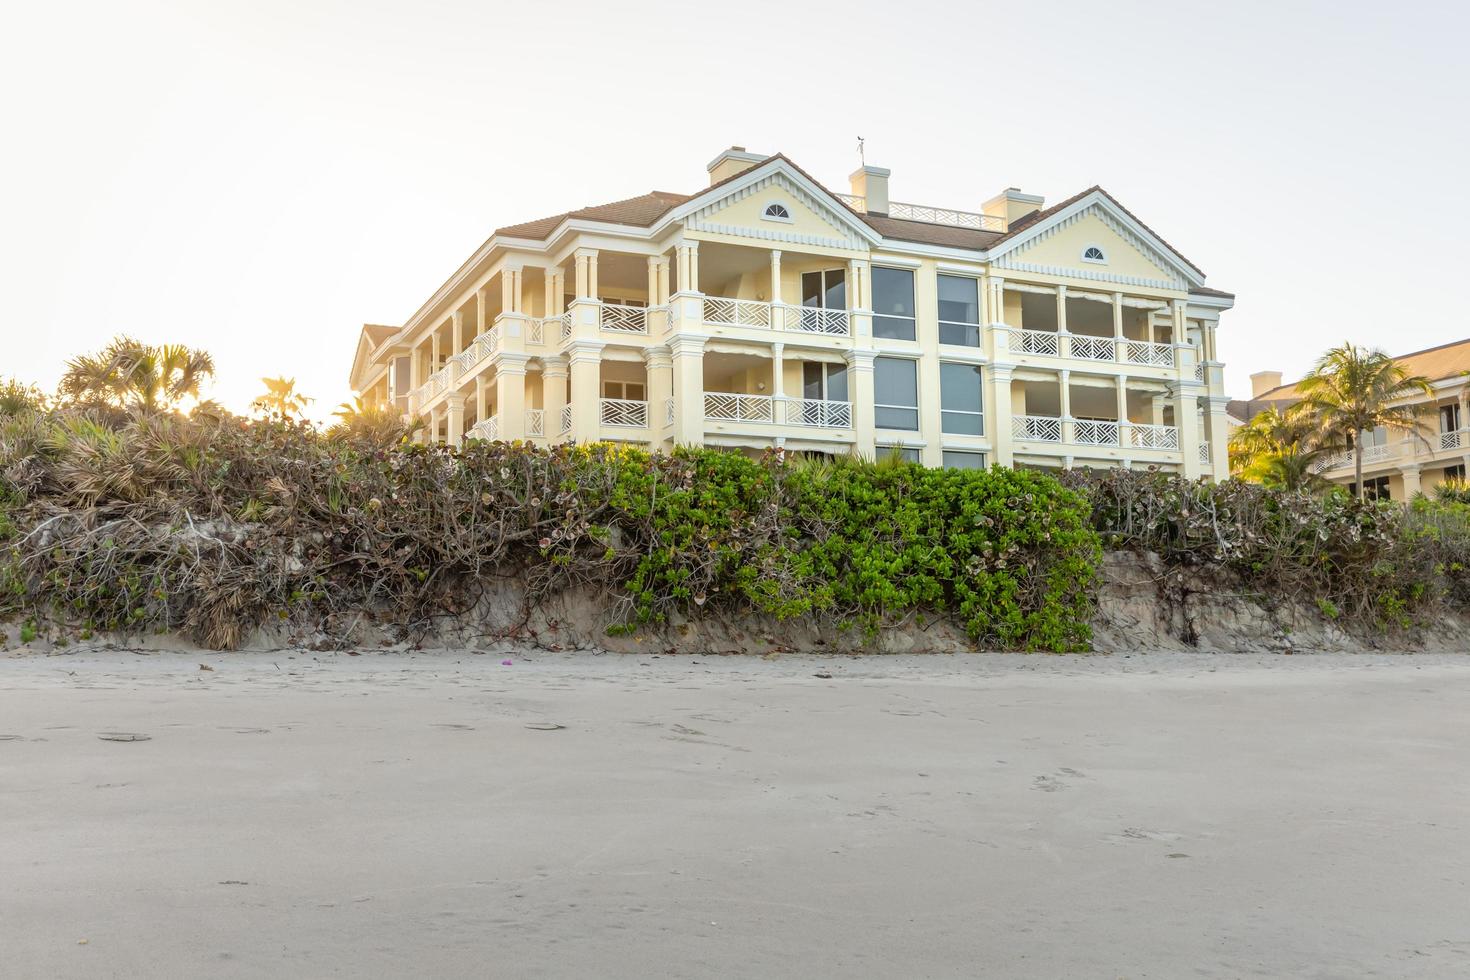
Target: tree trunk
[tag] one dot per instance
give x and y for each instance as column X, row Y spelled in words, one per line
column 1357, row 464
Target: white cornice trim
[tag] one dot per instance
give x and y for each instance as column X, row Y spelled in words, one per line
column 815, row 197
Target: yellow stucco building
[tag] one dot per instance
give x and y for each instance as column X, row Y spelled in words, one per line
column 765, row 310
column 1397, row 465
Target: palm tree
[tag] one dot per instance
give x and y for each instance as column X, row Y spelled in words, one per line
column 1353, row 390
column 1278, row 449
column 377, row 425
column 280, row 398
column 131, row 374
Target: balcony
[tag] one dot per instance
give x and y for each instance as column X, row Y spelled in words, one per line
column 727, row 407
column 818, row 412
column 487, row 429
column 536, row 423
column 933, row 215
column 623, row 319
column 1095, row 432
column 1085, row 347
column 623, row 412
column 753, row 314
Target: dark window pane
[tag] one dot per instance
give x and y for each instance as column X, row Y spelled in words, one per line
column 960, row 387
column 893, row 328
column 811, row 289
column 959, row 299
column 836, row 293
column 837, row 382
column 960, row 334
column 895, row 382
column 811, row 380
column 893, row 291
column 962, row 423
column 896, row 418
column 902, row 452
column 964, row 461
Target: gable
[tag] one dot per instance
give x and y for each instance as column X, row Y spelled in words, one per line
column 739, row 210
column 1132, row 255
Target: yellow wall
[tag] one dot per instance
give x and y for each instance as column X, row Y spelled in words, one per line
column 1064, row 248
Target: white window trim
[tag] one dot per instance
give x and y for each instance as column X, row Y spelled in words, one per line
column 766, row 216
column 1092, row 245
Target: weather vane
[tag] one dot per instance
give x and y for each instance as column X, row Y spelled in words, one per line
column 862, row 159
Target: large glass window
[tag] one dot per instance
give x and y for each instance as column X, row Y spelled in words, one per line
column 825, row 290
column 895, row 393
column 959, row 311
column 893, row 303
column 904, row 453
column 961, row 399
column 955, row 460
column 824, row 382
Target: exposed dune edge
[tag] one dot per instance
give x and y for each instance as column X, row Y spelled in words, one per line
column 1142, row 606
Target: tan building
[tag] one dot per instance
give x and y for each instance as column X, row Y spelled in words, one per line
column 765, row 310
column 1395, row 464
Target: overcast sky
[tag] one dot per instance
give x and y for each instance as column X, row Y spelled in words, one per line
column 261, row 178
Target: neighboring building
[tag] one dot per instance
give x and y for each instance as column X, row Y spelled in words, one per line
column 1396, row 464
column 765, row 310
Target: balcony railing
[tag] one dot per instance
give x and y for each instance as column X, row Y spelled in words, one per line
column 624, row 319
column 722, row 312
column 1204, row 452
column 625, row 412
column 1093, row 348
column 1036, row 428
column 933, row 215
column 487, row 429
column 1038, row 342
column 819, row 412
column 1455, row 440
column 1094, row 432
column 566, row 419
column 536, row 422
column 536, row 330
column 729, row 407
column 1143, row 352
column 1141, row 436
column 668, row 411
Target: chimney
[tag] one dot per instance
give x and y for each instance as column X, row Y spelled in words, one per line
column 1264, row 381
column 871, row 184
column 1010, row 205
column 733, row 161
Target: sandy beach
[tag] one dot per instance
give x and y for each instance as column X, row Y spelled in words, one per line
column 390, row 815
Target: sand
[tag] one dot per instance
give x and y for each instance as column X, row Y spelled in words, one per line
column 317, row 815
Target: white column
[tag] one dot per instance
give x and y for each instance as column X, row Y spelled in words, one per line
column 1217, row 423
column 687, row 354
column 1064, row 393
column 482, row 321
column 1119, row 341
column 454, row 415
column 778, row 380
column 510, row 395
column 1124, row 433
column 864, row 401
column 434, row 351
column 554, row 395
column 775, row 275
column 1000, row 419
column 1186, row 418
column 482, row 401
column 660, row 367
column 1412, row 484
column 456, row 333
column 585, row 358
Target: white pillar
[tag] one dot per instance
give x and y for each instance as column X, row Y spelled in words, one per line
column 454, row 415
column 554, row 395
column 1186, row 419
column 775, row 275
column 585, row 358
column 660, row 367
column 1412, row 484
column 687, row 354
column 1000, row 421
column 864, row 401
column 1064, row 394
column 510, row 395
column 482, row 401
column 1124, row 433
column 778, row 381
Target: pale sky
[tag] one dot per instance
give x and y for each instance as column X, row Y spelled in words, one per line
column 261, row 178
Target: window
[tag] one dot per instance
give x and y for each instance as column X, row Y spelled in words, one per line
column 633, row 391
column 959, row 311
column 1449, row 417
column 825, row 290
column 824, row 382
column 1373, row 489
column 1456, row 472
column 961, row 399
column 893, row 303
column 902, row 452
column 1093, row 253
column 895, row 393
column 777, row 211
column 954, row 460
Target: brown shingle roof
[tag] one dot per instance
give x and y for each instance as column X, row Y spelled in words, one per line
column 927, row 233
column 641, row 211
column 1206, row 291
column 1435, row 363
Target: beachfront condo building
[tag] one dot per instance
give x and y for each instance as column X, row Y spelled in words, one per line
column 1397, row 465
column 765, row 310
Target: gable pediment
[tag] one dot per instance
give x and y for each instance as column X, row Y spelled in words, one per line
column 1067, row 244
column 806, row 215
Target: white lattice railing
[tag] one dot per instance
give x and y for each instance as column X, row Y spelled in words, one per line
column 1204, row 452
column 1094, row 432
column 536, row 330
column 624, row 319
column 1037, row 342
column 484, row 345
column 1036, row 428
column 730, row 407
column 1371, row 454
column 487, row 429
column 1455, row 440
column 736, row 312
column 1093, row 348
column 462, row 362
column 1143, row 352
column 812, row 319
column 668, row 411
column 1141, row 436
column 566, row 419
column 566, row 324
column 535, row 422
column 623, row 411
column 1199, row 372
column 923, row 212
column 820, row 412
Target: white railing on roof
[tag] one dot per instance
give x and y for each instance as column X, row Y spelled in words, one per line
column 933, row 215
column 736, row 312
column 1093, row 348
column 535, row 422
column 566, row 419
column 624, row 319
column 1142, row 436
column 624, row 411
column 1036, row 428
column 820, row 412
column 1038, row 342
column 487, row 429
column 813, row 319
column 1143, row 352
column 1095, row 432
column 730, row 407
